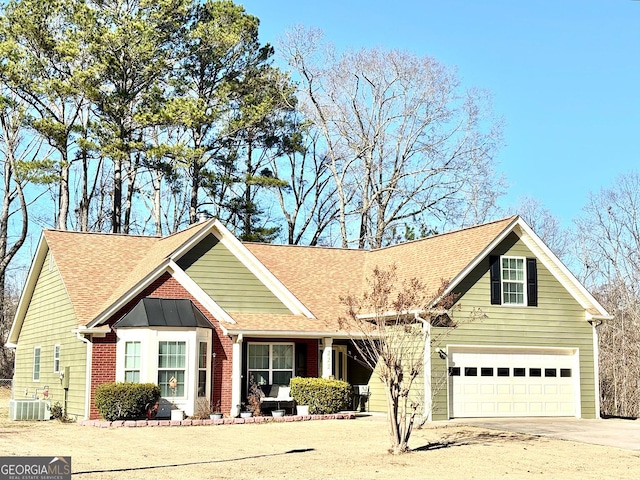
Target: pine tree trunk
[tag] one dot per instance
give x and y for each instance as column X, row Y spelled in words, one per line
column 63, row 205
column 117, row 196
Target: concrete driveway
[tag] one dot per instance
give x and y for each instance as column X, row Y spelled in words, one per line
column 612, row 432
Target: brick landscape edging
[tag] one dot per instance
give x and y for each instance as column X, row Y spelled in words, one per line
column 220, row 421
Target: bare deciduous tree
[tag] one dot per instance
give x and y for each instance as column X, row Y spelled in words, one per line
column 17, row 159
column 546, row 225
column 389, row 326
column 404, row 142
column 609, row 245
column 308, row 202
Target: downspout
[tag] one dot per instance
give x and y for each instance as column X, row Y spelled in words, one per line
column 87, row 393
column 596, row 360
column 426, row 326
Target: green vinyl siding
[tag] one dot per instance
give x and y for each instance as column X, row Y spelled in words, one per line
column 557, row 322
column 227, row 281
column 48, row 322
column 377, row 391
column 377, row 401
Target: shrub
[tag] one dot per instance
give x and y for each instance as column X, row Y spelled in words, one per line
column 321, row 394
column 126, row 401
column 58, row 413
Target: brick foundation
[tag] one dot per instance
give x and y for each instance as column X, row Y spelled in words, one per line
column 221, row 421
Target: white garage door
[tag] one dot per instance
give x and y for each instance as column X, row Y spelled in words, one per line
column 512, row 384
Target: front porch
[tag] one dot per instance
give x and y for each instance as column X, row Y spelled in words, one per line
column 272, row 362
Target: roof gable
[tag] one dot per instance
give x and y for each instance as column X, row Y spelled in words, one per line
column 227, row 280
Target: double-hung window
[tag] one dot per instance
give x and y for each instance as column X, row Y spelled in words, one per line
column 36, row 363
column 171, row 368
column 270, row 363
column 202, row 369
column 514, row 281
column 56, row 358
column 132, row 362
column 512, row 270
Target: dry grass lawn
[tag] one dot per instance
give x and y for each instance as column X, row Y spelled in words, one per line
column 340, row 449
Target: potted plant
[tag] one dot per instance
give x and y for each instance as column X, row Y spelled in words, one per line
column 216, row 413
column 252, row 407
column 302, row 410
column 302, row 394
column 245, row 412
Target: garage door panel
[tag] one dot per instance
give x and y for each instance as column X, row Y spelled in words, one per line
column 520, row 389
column 487, row 389
column 520, row 407
column 535, row 389
column 551, row 407
column 471, row 389
column 487, row 407
column 524, row 383
column 567, row 408
column 503, row 389
column 535, row 408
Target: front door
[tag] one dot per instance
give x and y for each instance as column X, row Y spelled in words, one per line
column 339, row 362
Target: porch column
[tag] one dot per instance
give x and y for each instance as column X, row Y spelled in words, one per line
column 327, row 357
column 236, row 376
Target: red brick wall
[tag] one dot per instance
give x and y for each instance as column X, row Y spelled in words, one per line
column 104, row 349
column 103, row 366
column 313, row 364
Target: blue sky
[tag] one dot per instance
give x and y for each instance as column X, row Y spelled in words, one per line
column 564, row 74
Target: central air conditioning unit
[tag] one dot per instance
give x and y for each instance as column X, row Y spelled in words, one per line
column 28, row 409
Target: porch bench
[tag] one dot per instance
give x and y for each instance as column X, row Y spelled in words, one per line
column 277, row 395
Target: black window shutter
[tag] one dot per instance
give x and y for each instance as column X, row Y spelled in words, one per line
column 532, row 282
column 496, row 286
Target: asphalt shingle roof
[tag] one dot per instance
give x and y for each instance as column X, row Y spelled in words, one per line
column 318, row 276
column 98, row 269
